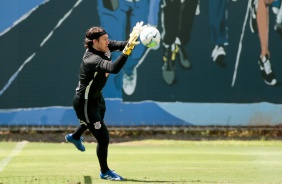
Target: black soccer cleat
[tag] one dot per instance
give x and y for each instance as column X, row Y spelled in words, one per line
column 183, row 57
column 267, row 72
column 218, row 55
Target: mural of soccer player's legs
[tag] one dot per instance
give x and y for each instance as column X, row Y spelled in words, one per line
column 218, row 30
column 118, row 17
column 265, row 66
column 276, row 9
column 177, row 23
column 148, row 12
column 278, row 25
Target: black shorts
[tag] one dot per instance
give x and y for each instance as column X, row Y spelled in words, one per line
column 91, row 113
column 89, row 110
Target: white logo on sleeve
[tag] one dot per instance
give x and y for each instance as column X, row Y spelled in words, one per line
column 97, row 125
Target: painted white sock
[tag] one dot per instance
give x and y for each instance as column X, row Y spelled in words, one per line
column 279, row 15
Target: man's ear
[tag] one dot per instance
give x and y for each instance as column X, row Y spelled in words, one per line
column 95, row 41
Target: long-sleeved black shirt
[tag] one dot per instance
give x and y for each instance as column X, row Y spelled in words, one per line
column 95, row 68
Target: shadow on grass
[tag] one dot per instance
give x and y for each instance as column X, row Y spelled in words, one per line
column 170, row 181
column 87, row 180
column 152, row 181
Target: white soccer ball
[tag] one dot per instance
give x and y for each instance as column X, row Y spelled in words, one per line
column 150, row 37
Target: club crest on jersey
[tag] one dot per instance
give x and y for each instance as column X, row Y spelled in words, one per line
column 97, row 125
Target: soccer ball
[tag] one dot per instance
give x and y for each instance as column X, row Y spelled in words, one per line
column 150, row 37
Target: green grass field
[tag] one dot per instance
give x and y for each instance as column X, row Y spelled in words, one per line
column 149, row 161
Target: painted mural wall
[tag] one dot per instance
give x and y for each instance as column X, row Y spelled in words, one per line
column 206, row 71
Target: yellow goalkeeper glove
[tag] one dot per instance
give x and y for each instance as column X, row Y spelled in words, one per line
column 132, row 42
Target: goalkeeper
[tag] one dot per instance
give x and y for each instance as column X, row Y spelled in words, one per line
column 88, row 101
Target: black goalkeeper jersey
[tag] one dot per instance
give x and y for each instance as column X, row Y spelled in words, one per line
column 95, row 68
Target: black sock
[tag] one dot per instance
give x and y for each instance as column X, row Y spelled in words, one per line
column 79, row 131
column 104, row 172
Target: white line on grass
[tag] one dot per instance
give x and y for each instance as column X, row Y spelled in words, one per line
column 5, row 161
column 240, row 45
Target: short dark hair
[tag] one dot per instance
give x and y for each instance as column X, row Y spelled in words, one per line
column 91, row 34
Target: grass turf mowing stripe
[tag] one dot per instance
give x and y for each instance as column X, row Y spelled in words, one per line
column 14, row 153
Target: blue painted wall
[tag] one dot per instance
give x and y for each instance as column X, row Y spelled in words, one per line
column 41, row 45
column 11, row 11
